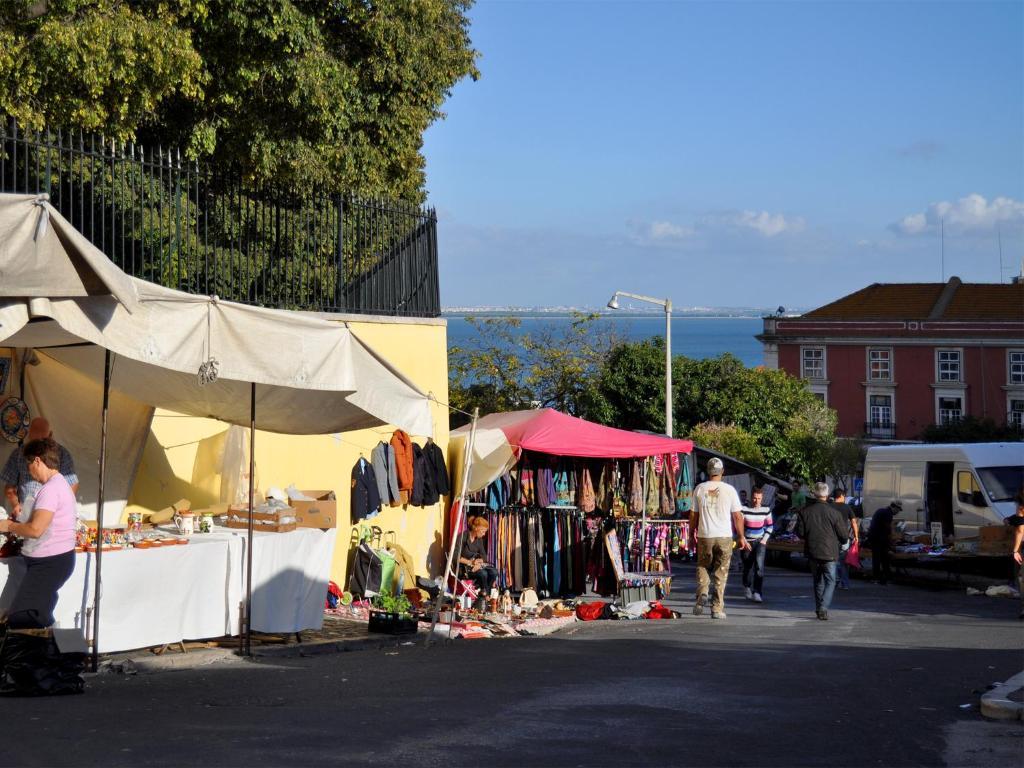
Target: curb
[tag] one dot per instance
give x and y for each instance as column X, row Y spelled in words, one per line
column 322, row 647
column 996, row 704
column 133, row 665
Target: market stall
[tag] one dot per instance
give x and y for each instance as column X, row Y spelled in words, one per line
column 550, row 483
column 118, row 341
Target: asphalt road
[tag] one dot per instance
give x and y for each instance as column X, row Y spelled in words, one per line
column 881, row 684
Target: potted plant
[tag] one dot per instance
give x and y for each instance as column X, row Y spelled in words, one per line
column 391, row 615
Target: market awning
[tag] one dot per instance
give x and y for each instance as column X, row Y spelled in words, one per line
column 502, row 437
column 63, row 298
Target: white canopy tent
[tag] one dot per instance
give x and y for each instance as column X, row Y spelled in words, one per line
column 63, row 300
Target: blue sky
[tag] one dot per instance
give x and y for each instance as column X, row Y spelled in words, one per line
column 729, row 153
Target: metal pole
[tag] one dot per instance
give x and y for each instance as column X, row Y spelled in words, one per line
column 668, row 367
column 248, row 541
column 98, row 585
column 467, row 464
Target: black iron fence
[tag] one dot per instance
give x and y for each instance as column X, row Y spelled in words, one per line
column 206, row 230
column 881, row 430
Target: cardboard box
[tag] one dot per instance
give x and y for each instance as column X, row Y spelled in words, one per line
column 320, row 513
column 995, row 533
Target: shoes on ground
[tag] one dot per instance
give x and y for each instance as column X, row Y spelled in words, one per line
column 718, row 614
column 822, row 615
column 749, row 593
column 758, row 598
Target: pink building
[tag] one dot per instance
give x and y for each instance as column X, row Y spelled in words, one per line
column 893, row 358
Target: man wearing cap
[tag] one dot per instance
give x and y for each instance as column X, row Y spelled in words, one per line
column 880, row 539
column 824, row 531
column 18, row 483
column 716, row 513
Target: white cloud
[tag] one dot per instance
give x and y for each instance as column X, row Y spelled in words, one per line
column 666, row 230
column 972, row 213
column 764, row 223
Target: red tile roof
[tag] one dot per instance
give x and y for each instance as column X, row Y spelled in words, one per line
column 918, row 301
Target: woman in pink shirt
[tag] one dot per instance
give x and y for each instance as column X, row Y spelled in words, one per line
column 49, row 534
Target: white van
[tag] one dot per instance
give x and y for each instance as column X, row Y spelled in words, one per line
column 961, row 485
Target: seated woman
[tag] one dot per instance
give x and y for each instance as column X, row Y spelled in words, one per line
column 49, row 534
column 473, row 558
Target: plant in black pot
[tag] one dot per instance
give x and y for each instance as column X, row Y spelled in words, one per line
column 391, row 615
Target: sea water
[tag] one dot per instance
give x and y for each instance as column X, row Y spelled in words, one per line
column 696, row 337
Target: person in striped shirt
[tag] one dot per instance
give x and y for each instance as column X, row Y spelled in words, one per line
column 757, row 527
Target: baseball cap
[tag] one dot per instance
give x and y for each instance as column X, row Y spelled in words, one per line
column 715, row 466
column 896, row 504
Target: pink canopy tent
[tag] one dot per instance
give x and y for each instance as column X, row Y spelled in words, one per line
column 502, row 437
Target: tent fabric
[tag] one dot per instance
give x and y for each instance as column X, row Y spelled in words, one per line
column 312, row 376
column 43, row 256
column 73, row 404
column 501, row 438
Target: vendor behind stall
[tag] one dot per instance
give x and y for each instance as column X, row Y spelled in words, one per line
column 49, row 534
column 473, row 557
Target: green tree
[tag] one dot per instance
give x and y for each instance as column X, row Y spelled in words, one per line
column 730, row 440
column 970, row 429
column 790, row 426
column 300, row 92
column 504, row 368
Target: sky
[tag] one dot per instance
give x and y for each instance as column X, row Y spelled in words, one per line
column 729, row 153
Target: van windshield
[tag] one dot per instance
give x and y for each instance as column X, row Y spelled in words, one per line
column 1001, row 483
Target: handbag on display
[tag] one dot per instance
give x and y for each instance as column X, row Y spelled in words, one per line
column 528, row 598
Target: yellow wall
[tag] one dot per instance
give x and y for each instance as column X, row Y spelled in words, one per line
column 181, row 457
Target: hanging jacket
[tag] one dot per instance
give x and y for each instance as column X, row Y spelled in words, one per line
column 365, row 496
column 383, row 460
column 402, row 444
column 435, row 481
column 419, row 477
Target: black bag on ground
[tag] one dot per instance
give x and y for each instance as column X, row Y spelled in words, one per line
column 366, row 572
column 34, row 666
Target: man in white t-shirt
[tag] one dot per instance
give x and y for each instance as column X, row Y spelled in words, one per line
column 717, row 512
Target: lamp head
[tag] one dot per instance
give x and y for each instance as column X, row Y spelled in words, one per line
column 613, row 302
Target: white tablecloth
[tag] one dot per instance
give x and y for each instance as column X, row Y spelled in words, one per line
column 156, row 596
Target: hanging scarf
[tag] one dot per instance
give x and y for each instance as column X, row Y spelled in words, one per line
column 587, row 500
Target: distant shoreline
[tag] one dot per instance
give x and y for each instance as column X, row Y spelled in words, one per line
column 617, row 315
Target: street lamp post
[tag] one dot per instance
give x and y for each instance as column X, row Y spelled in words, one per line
column 613, row 303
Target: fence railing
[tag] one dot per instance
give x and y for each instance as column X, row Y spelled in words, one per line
column 883, row 430
column 204, row 229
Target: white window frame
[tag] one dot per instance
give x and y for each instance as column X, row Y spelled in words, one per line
column 824, row 363
column 1010, row 354
column 960, row 367
column 888, row 351
column 819, row 389
column 941, row 394
column 1015, row 417
column 891, row 428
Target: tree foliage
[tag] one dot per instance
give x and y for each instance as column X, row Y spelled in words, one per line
column 792, row 429
column 303, row 92
column 504, row 368
column 730, row 440
column 970, row 429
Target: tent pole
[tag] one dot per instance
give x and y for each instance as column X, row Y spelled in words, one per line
column 98, row 585
column 461, row 501
column 248, row 539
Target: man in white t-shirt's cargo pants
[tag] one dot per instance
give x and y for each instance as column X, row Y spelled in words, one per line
column 716, row 514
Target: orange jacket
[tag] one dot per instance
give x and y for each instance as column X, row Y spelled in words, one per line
column 402, row 444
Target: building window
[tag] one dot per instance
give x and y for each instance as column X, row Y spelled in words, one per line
column 951, row 409
column 1015, row 417
column 879, row 365
column 812, row 362
column 880, row 423
column 948, row 364
column 1016, row 367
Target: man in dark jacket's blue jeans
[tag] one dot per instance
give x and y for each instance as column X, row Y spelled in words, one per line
column 824, row 531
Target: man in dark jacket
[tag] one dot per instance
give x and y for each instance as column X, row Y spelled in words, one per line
column 880, row 541
column 824, row 531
